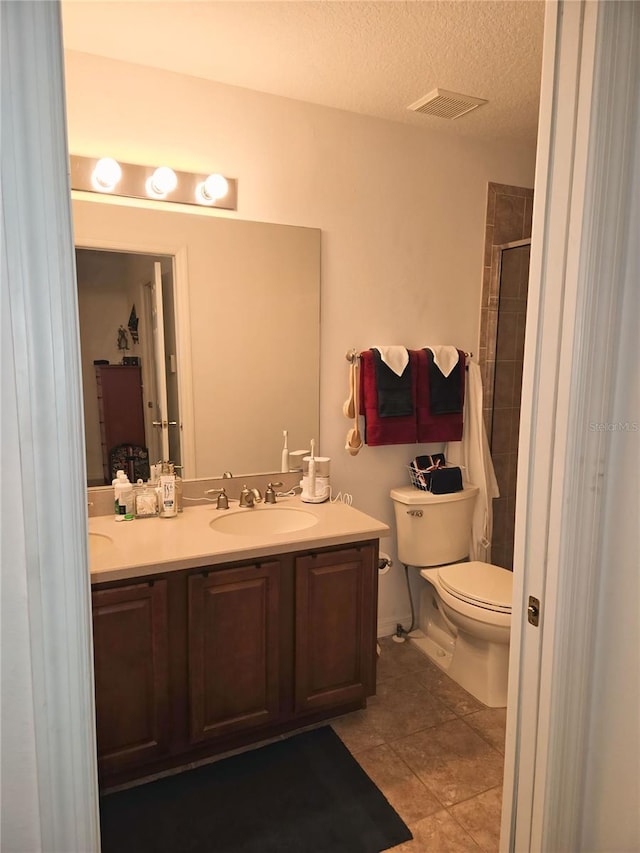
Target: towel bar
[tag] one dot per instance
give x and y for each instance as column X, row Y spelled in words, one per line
column 353, row 355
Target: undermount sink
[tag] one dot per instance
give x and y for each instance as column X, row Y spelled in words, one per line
column 99, row 543
column 263, row 520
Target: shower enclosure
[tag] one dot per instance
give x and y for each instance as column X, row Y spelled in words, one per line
column 507, row 387
column 502, row 328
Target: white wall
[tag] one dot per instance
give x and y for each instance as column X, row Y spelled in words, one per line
column 401, row 211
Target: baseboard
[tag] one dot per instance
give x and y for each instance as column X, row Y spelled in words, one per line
column 387, row 627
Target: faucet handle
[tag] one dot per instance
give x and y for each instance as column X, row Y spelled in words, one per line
column 223, row 500
column 270, row 495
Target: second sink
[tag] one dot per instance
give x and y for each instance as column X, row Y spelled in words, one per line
column 98, row 544
column 263, row 521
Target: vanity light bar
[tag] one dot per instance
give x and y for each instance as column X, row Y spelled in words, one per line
column 108, row 176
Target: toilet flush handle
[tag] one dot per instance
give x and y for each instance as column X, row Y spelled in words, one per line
column 417, row 513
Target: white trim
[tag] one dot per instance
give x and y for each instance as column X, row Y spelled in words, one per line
column 182, row 312
column 47, row 396
column 580, row 220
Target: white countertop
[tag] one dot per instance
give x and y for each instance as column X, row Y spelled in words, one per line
column 149, row 545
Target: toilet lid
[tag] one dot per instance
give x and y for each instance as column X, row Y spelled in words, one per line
column 479, row 583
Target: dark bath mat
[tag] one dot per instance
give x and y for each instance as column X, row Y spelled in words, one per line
column 305, row 794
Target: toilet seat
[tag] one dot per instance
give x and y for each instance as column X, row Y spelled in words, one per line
column 480, row 584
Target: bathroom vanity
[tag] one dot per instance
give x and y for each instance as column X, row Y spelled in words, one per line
column 207, row 640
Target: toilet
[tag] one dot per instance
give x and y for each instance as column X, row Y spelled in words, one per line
column 464, row 620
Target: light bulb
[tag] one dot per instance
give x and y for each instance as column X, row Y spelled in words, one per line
column 213, row 188
column 106, row 174
column 164, row 180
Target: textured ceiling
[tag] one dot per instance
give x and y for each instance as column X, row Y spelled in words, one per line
column 373, row 58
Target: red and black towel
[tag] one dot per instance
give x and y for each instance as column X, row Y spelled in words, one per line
column 416, row 407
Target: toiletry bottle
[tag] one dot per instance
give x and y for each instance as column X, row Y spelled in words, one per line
column 167, row 492
column 309, row 493
column 170, row 468
column 284, row 465
column 119, row 485
column 126, row 499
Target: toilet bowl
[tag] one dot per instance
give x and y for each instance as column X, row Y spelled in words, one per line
column 465, row 623
column 464, row 620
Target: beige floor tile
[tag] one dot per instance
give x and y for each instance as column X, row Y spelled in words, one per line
column 439, row 833
column 445, row 690
column 357, row 731
column 491, row 723
column 396, row 659
column 402, row 788
column 452, row 760
column 480, row 816
column 403, row 705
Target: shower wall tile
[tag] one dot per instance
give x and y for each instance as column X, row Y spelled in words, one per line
column 528, row 214
column 503, row 388
column 490, row 322
column 491, row 206
column 507, row 335
column 509, row 220
column 488, row 245
column 511, row 275
column 486, row 275
column 501, row 435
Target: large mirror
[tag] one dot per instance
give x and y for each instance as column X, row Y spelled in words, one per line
column 224, row 311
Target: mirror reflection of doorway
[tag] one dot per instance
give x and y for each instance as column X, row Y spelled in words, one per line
column 125, row 299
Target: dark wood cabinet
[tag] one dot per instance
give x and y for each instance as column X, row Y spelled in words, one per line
column 131, row 653
column 234, row 666
column 196, row 662
column 335, row 628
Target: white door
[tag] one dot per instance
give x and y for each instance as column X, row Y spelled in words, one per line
column 581, row 236
column 161, row 421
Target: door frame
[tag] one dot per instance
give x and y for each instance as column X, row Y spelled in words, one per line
column 585, row 158
column 575, row 216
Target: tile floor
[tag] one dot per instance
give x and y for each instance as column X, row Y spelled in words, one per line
column 434, row 751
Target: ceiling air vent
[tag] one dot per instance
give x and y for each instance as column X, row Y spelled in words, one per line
column 444, row 104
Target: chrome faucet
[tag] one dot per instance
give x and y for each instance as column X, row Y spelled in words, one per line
column 270, row 494
column 249, row 497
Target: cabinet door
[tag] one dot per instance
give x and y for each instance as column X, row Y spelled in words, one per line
column 131, row 647
column 234, row 660
column 335, row 628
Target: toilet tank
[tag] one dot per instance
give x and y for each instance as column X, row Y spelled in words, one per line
column 433, row 529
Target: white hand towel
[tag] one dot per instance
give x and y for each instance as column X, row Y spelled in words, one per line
column 397, row 358
column 472, row 453
column 445, row 358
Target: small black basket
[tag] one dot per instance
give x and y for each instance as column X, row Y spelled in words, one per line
column 431, row 474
